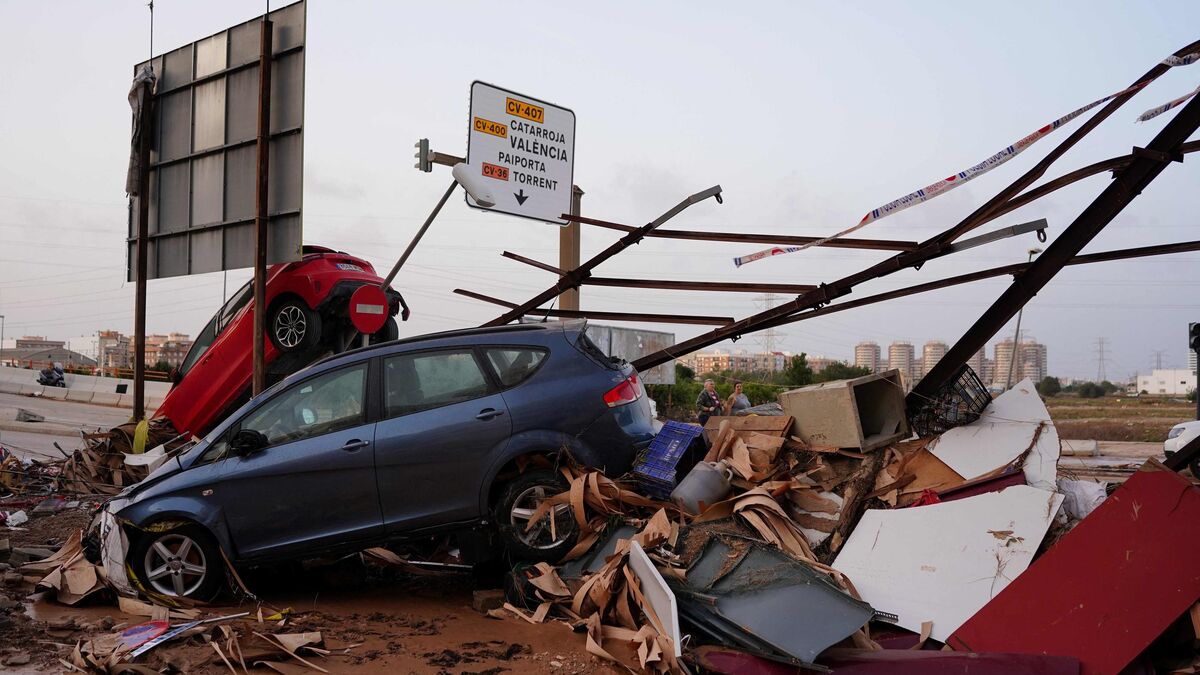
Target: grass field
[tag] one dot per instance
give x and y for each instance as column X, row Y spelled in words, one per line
column 1114, row 418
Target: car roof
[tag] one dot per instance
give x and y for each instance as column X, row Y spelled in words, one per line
column 571, row 325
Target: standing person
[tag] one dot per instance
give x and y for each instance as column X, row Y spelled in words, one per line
column 737, row 401
column 708, row 402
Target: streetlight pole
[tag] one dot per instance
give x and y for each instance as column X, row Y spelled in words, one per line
column 1, row 333
column 1016, row 350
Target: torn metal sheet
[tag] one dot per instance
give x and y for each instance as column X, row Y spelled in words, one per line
column 1016, row 423
column 758, row 595
column 1110, row 586
column 942, row 562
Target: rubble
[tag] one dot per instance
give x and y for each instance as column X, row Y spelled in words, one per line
column 814, row 552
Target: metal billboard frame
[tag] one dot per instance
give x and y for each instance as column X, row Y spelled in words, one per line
column 202, row 165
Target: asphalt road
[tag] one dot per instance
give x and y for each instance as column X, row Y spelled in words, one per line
column 64, row 421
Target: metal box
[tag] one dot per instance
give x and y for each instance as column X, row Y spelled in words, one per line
column 865, row 412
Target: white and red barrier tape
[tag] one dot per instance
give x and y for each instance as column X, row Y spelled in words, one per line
column 947, row 184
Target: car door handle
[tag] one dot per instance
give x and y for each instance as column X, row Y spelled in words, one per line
column 351, row 446
column 488, row 413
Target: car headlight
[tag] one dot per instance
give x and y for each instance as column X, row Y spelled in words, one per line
column 1174, row 432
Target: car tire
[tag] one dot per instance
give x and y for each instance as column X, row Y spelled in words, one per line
column 516, row 504
column 389, row 332
column 198, row 574
column 293, row 327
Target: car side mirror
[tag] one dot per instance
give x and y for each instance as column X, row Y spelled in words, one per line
column 174, row 376
column 247, row 441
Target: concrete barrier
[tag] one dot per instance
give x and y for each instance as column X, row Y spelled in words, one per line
column 81, row 388
column 102, row 398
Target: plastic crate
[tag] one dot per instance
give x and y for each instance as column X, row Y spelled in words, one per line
column 654, row 468
column 960, row 401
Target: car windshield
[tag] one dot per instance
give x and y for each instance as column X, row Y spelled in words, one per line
column 216, row 326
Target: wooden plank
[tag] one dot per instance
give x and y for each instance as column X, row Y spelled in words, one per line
column 745, row 425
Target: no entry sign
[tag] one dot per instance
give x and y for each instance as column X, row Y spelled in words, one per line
column 368, row 309
column 525, row 145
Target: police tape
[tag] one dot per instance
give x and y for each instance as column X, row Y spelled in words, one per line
column 947, row 184
column 1155, row 112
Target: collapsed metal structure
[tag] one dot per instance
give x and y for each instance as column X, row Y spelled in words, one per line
column 1131, row 174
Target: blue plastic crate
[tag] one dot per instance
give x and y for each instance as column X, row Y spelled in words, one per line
column 654, row 468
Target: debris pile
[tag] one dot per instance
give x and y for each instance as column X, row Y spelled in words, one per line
column 774, row 548
column 752, row 545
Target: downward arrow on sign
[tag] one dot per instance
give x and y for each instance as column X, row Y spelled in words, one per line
column 521, row 196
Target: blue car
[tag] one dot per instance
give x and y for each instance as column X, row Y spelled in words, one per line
column 444, row 432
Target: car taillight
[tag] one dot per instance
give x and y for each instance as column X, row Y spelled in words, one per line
column 627, row 392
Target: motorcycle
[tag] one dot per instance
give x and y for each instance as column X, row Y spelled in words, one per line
column 52, row 377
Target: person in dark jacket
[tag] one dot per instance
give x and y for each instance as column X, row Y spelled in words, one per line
column 708, row 402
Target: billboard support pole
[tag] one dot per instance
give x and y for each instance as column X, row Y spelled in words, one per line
column 263, row 148
column 143, row 233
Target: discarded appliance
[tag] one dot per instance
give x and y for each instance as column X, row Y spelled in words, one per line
column 864, row 412
column 942, row 562
column 740, row 592
column 1108, row 587
column 1015, row 425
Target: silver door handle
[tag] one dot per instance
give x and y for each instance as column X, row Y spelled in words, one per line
column 355, row 444
column 488, row 413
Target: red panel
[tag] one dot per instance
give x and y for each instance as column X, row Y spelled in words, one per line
column 1109, row 587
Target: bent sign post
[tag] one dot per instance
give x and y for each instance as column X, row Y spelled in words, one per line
column 525, row 145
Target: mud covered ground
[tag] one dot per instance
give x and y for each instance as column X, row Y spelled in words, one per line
column 372, row 620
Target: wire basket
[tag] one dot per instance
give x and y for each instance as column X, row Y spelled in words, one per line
column 960, row 401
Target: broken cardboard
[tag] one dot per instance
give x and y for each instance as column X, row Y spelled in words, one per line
column 1110, row 586
column 943, row 562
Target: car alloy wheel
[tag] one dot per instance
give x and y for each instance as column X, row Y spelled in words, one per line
column 175, row 565
column 290, row 326
column 540, row 536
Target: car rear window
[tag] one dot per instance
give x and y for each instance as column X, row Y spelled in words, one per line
column 514, row 365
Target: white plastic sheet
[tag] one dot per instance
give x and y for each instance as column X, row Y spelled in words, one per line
column 943, row 562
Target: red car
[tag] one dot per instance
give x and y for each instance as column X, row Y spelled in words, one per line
column 307, row 317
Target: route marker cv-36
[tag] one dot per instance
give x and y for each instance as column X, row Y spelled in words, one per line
column 525, row 145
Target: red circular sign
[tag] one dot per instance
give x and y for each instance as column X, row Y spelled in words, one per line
column 368, row 309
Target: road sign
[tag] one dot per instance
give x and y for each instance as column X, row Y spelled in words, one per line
column 525, row 145
column 368, row 309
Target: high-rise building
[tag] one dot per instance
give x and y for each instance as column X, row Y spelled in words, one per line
column 931, row 353
column 901, row 356
column 976, row 362
column 866, row 355
column 1031, row 361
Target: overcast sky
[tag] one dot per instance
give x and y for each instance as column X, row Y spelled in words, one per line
column 807, row 114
